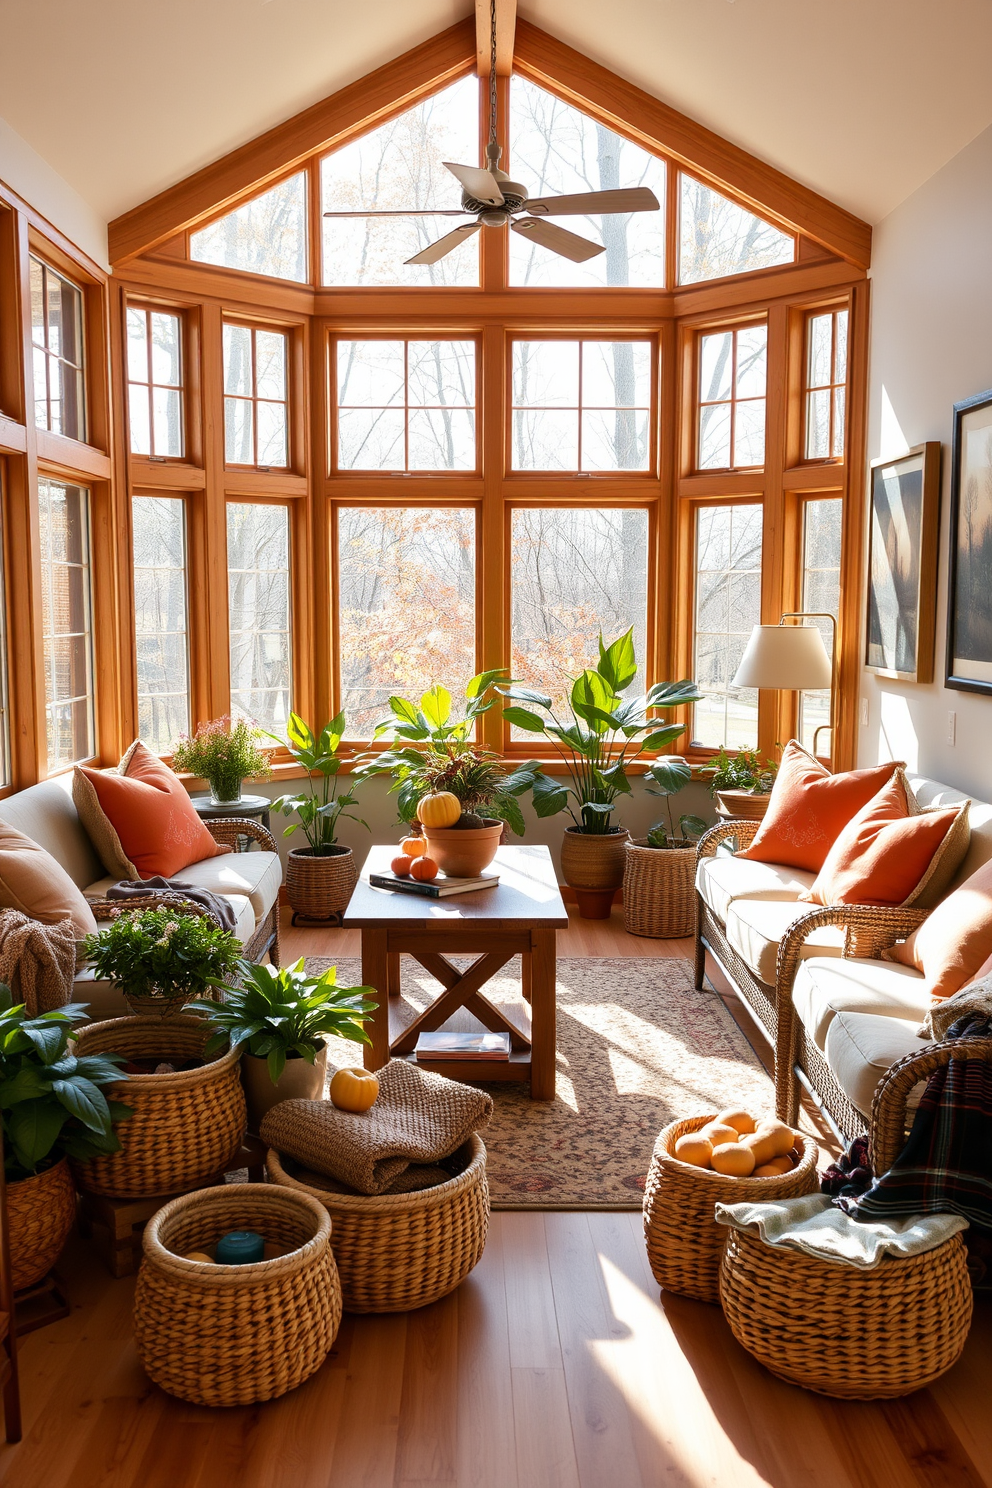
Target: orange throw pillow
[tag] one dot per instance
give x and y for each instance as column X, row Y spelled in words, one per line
column 35, row 883
column 139, row 817
column 953, row 944
column 884, row 853
column 809, row 808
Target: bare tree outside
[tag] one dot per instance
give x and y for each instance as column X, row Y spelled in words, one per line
column 161, row 619
column 728, row 605
column 406, row 405
column 717, row 237
column 267, row 235
column 259, row 612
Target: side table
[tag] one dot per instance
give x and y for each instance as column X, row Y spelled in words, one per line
column 253, row 807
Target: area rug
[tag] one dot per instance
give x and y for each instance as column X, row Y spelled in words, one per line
column 637, row 1048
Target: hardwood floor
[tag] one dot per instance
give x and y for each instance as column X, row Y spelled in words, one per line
column 555, row 1365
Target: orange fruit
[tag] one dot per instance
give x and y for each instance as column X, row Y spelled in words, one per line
column 774, row 1169
column 733, row 1159
column 401, row 866
column 424, row 869
column 413, row 846
column 742, row 1121
column 694, row 1149
column 717, row 1132
column 762, row 1144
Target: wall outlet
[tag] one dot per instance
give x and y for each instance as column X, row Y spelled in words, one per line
column 952, row 727
column 864, row 712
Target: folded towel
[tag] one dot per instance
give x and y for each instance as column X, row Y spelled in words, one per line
column 976, row 998
column 220, row 907
column 413, row 1179
column 812, row 1225
column 419, row 1117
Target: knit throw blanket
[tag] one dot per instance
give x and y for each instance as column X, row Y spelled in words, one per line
column 419, row 1117
column 37, row 962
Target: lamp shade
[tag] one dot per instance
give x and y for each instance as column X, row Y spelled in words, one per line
column 785, row 656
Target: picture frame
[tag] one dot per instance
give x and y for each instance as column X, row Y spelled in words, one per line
column 969, row 589
column 904, row 504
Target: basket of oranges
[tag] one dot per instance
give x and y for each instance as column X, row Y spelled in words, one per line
column 729, row 1158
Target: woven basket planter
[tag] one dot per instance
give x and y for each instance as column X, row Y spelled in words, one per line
column 400, row 1251
column 318, row 888
column 40, row 1211
column 593, row 865
column 186, row 1127
column 659, row 890
column 235, row 1335
column 861, row 1335
column 744, row 805
column 683, row 1239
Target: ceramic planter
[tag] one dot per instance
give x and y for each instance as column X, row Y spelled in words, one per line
column 743, row 805
column 41, row 1211
column 319, row 885
column 593, row 864
column 464, row 852
column 300, row 1080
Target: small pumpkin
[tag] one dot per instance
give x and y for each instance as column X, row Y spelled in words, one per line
column 439, row 809
column 413, row 847
column 354, row 1089
column 423, row 869
column 401, row 865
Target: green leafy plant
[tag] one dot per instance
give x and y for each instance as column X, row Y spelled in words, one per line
column 601, row 736
column 163, row 953
column 670, row 775
column 224, row 753
column 321, row 804
column 742, row 771
column 51, row 1102
column 279, row 1011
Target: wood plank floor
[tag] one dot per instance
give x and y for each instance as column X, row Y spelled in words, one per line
column 555, row 1365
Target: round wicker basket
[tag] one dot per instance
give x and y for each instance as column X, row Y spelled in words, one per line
column 659, row 898
column 41, row 1211
column 861, row 1335
column 683, row 1239
column 185, row 1128
column 400, row 1251
column 318, row 888
column 235, row 1335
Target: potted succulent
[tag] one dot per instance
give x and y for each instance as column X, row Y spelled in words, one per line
column 742, row 783
column 280, row 1015
column 162, row 958
column 321, row 876
column 659, row 873
column 598, row 739
column 53, row 1108
column 224, row 753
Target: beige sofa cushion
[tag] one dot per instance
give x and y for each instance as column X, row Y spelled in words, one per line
column 825, row 987
column 255, row 875
column 46, row 814
column 32, row 882
column 754, row 928
column 725, row 877
column 862, row 1046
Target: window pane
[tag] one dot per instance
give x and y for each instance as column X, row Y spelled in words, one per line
column 388, row 560
column 239, row 435
column 271, row 433
column 256, row 429
column 270, row 371
column 822, row 524
column 818, row 424
column 441, row 439
column 728, row 605
column 168, row 426
column 574, row 574
column 138, row 416
column 161, row 619
column 63, row 513
column 820, row 345
column 57, row 334
column 155, row 408
column 397, row 166
column 545, row 439
column 575, row 405
column 166, row 345
column 557, row 150
column 137, row 345
column 616, row 374
column 406, row 405
column 4, row 698
column 749, row 433
column 370, row 373
column 442, row 374
column 752, row 345
column 826, row 372
column 714, row 437
column 716, row 366
column 267, row 235
column 259, row 613
column 717, row 237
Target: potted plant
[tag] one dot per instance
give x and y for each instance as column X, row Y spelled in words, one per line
column 598, row 739
column 224, row 753
column 53, row 1108
column 162, row 958
column 659, row 873
column 280, row 1015
column 321, row 876
column 742, row 783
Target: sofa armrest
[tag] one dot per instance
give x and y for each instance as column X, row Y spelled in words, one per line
column 887, row 1135
column 709, row 842
column 228, row 829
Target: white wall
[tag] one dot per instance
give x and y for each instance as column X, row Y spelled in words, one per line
column 931, row 347
column 25, row 172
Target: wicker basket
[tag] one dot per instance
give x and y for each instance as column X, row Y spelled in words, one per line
column 234, row 1335
column 684, row 1240
column 318, row 888
column 40, row 1211
column 185, row 1128
column 659, row 897
column 400, row 1251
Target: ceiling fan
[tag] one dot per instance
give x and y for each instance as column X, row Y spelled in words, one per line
column 494, row 200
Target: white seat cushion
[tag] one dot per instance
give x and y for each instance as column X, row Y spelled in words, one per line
column 254, row 875
column 860, row 1047
column 724, row 878
column 755, row 927
column 825, row 987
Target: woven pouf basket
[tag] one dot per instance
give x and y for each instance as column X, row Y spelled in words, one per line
column 318, row 888
column 186, row 1127
column 235, row 1335
column 861, row 1335
column 683, row 1239
column 40, row 1213
column 400, row 1251
column 659, row 898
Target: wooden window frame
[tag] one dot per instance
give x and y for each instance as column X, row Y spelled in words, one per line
column 298, row 591
column 181, row 496
column 833, row 311
column 148, row 309
column 733, row 330
column 79, row 369
column 287, row 403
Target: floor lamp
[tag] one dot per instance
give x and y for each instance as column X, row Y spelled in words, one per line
column 791, row 658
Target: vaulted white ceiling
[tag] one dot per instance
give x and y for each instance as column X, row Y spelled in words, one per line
column 861, row 99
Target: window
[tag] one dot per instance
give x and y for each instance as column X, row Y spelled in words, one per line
column 155, row 382
column 259, row 612
column 4, row 696
column 267, row 235
column 717, row 237
column 822, row 521
column 255, row 397
column 57, row 343
column 406, row 606
column 67, row 621
column 732, row 398
column 555, row 150
column 161, row 619
column 826, row 375
column 581, row 405
column 398, row 166
column 406, row 405
column 728, row 605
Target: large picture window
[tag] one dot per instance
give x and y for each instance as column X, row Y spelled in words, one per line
column 161, row 619
column 57, row 348
column 406, row 405
column 581, row 405
column 259, row 612
column 728, row 605
column 67, row 621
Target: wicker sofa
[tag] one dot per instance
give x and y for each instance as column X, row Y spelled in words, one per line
column 837, row 1015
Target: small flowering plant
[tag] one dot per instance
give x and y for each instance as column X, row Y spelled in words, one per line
column 224, row 752
column 163, row 955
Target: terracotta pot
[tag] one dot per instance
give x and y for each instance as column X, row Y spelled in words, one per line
column 41, row 1212
column 743, row 805
column 318, row 886
column 464, row 852
column 300, row 1080
column 593, row 864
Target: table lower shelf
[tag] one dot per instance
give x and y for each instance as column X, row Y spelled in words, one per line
column 477, row 1071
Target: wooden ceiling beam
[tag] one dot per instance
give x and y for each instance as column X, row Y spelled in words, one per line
column 506, row 21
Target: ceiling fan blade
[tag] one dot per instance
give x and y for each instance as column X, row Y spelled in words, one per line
column 445, row 245
column 413, row 212
column 549, row 235
column 634, row 199
column 480, row 184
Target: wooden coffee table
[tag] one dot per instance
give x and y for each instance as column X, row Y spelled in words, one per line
column 517, row 918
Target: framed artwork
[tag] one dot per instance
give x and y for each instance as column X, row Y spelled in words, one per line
column 902, row 564
column 969, row 588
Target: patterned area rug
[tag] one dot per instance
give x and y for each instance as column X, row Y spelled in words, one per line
column 637, row 1047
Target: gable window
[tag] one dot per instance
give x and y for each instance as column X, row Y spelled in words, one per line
column 256, row 424
column 732, row 366
column 826, row 378
column 267, row 235
column 406, row 405
column 718, row 238
column 67, row 621
column 581, row 405
column 727, row 606
column 155, row 382
column 161, row 619
column 57, row 348
column 259, row 612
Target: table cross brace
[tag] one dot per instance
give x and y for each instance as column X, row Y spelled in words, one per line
column 461, row 991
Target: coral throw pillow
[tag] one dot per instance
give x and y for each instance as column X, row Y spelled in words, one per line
column 885, row 854
column 809, row 808
column 34, row 882
column 139, row 817
column 954, row 945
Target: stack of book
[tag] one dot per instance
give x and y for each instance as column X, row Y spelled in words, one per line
column 481, row 1046
column 435, row 888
